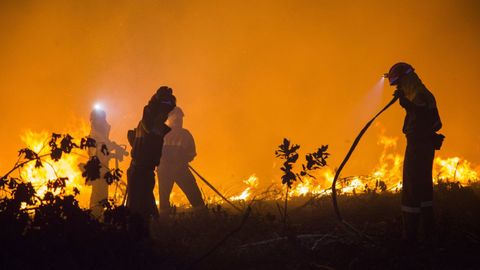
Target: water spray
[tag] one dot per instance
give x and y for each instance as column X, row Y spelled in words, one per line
column 350, row 152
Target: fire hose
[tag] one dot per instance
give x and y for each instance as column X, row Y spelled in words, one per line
column 345, row 160
column 124, row 201
column 214, row 189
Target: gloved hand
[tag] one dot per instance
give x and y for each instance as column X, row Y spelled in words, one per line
column 398, row 93
column 404, row 102
column 164, row 98
column 157, row 110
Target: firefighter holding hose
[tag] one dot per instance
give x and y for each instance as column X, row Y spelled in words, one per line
column 104, row 150
column 147, row 142
column 178, row 151
column 422, row 121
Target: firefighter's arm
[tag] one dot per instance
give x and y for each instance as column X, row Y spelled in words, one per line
column 407, row 104
column 155, row 113
column 119, row 151
column 148, row 118
column 437, row 123
column 131, row 136
column 191, row 151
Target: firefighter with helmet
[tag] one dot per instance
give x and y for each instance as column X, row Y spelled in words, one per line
column 104, row 150
column 147, row 142
column 178, row 151
column 422, row 121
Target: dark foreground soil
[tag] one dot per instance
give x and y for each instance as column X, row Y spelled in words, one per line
column 224, row 239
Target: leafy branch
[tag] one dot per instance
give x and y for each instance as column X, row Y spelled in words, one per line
column 59, row 146
column 314, row 161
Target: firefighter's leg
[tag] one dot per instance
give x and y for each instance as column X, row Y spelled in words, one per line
column 410, row 202
column 428, row 225
column 99, row 194
column 411, row 221
column 150, row 186
column 134, row 190
column 140, row 192
column 140, row 200
column 186, row 181
column 426, row 203
column 165, row 186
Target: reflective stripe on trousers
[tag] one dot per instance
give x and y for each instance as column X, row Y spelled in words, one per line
column 410, row 209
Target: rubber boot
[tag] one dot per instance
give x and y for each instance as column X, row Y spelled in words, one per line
column 410, row 228
column 428, row 224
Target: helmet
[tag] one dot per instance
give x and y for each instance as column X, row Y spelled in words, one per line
column 177, row 111
column 397, row 71
column 98, row 114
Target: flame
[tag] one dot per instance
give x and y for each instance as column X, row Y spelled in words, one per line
column 252, row 183
column 308, row 186
column 389, row 168
column 455, row 169
column 388, row 171
column 67, row 166
column 390, row 164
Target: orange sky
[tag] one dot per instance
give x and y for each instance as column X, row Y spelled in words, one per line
column 247, row 73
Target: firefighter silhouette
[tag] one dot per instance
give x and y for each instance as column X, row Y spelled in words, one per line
column 147, row 142
column 422, row 121
column 105, row 150
column 178, row 151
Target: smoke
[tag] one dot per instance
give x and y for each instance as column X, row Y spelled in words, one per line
column 246, row 73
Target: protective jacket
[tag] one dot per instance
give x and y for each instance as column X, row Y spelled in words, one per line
column 178, row 151
column 178, row 147
column 147, row 142
column 148, row 139
column 422, row 119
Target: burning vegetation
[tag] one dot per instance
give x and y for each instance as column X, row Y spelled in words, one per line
column 385, row 177
column 43, row 208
